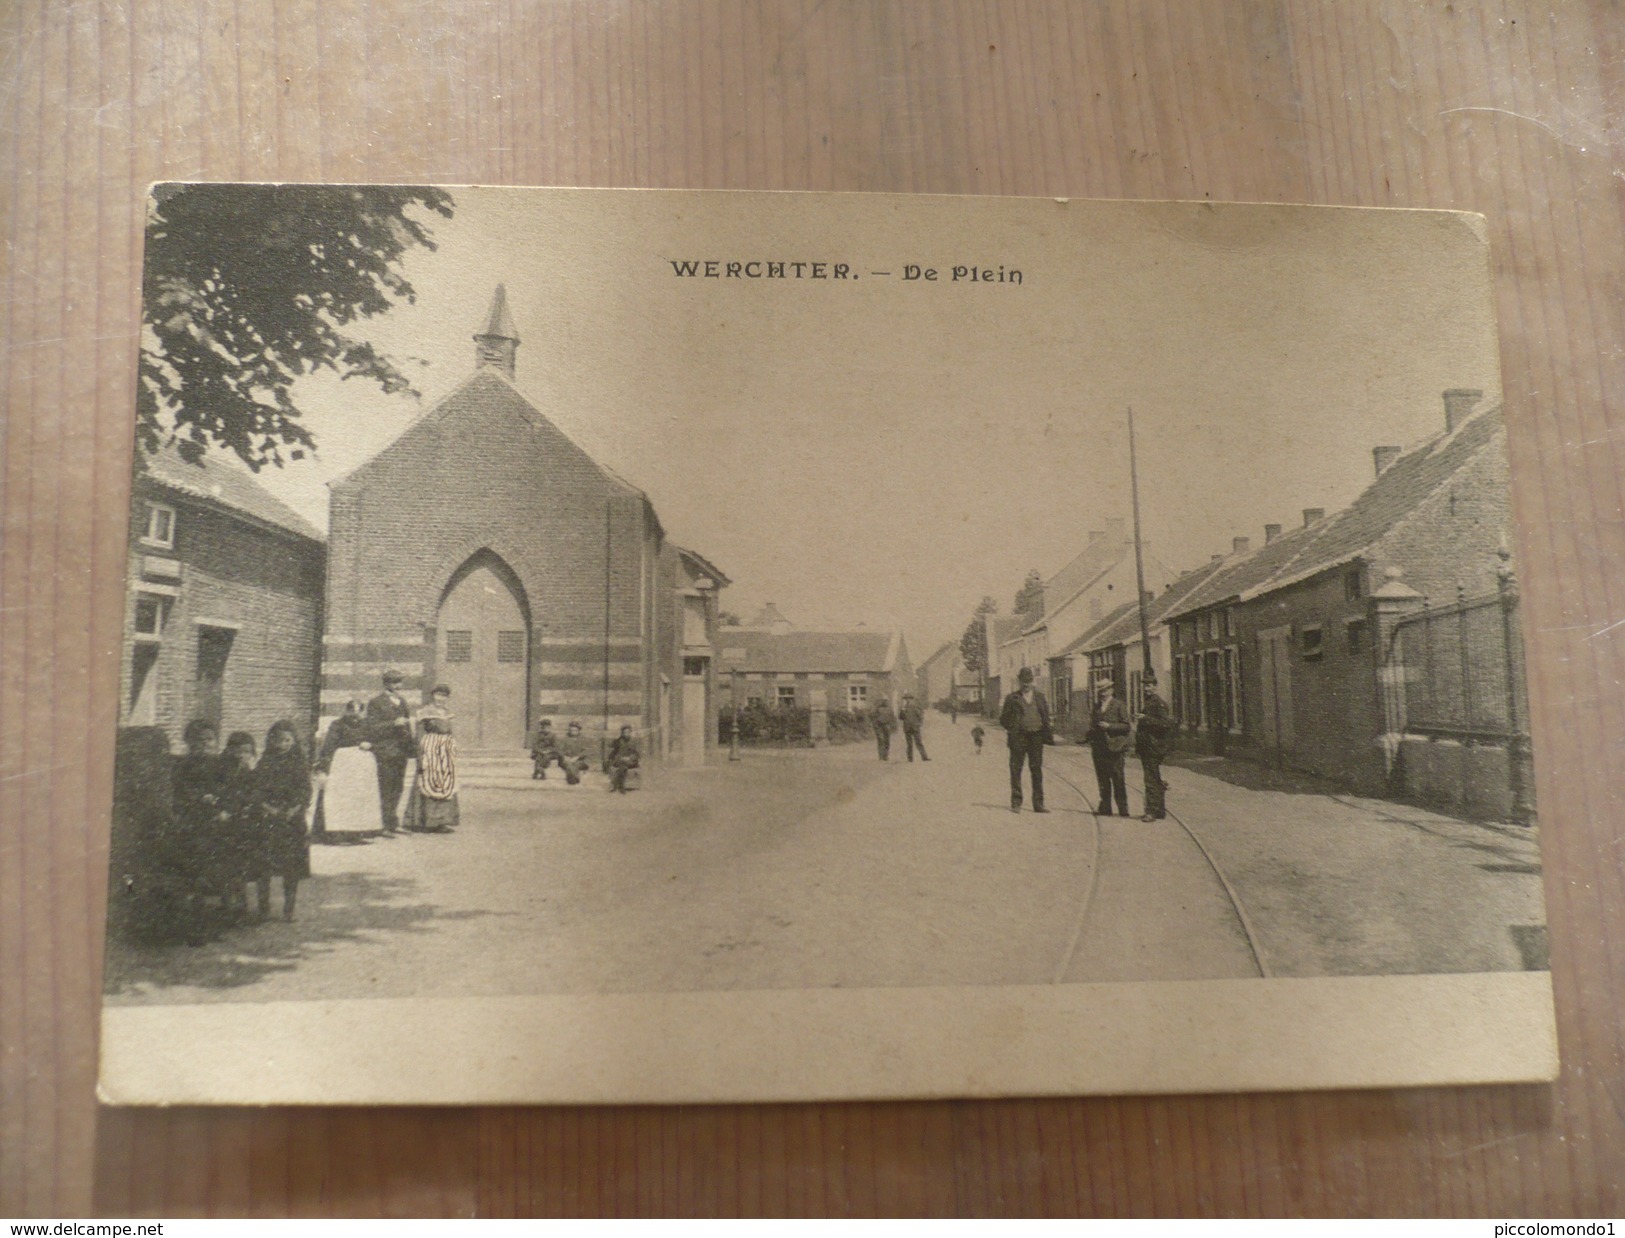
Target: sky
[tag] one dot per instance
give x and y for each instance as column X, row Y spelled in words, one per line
column 887, row 451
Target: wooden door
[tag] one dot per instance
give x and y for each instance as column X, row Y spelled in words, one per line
column 483, row 653
column 1275, row 689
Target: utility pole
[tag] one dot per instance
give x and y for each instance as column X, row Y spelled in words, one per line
column 1139, row 554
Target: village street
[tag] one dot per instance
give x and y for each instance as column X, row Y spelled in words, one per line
column 797, row 869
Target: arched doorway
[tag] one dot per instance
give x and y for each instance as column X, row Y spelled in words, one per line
column 482, row 647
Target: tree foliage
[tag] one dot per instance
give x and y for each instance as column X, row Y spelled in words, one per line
column 973, row 644
column 1032, row 592
column 248, row 287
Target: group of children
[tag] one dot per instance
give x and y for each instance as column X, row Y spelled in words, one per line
column 237, row 820
column 569, row 753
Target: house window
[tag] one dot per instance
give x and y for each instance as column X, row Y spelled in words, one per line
column 459, row 646
column 1354, row 635
column 510, row 646
column 160, row 528
column 151, row 609
column 1353, row 587
column 753, row 702
column 787, row 695
column 694, row 668
column 1309, row 640
column 1224, row 623
column 857, row 696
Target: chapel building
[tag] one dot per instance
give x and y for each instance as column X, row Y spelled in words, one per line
column 484, row 550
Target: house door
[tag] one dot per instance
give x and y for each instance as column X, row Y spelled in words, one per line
column 482, row 655
column 694, row 710
column 209, row 688
column 1275, row 686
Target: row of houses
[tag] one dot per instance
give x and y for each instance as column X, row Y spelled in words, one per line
column 1378, row 646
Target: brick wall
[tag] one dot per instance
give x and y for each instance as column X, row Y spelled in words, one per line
column 484, row 471
column 261, row 583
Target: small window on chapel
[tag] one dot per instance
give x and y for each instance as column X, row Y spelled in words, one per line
column 510, row 646
column 459, row 646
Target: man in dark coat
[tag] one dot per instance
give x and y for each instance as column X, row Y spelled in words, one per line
column 1026, row 722
column 885, row 722
column 913, row 724
column 389, row 728
column 1155, row 731
column 1109, row 727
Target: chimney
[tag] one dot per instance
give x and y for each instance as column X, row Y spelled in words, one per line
column 1312, row 514
column 1382, row 457
column 1216, row 559
column 1458, row 402
column 496, row 343
column 1271, row 532
column 1117, row 529
column 1240, row 545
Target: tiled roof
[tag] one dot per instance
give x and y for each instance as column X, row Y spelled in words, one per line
column 225, row 485
column 1123, row 624
column 1333, row 540
column 947, row 647
column 751, row 649
column 705, row 565
column 1005, row 627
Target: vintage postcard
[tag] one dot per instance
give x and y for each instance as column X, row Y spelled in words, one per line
column 617, row 646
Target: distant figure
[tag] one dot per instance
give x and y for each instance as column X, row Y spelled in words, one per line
column 432, row 806
column 884, row 722
column 573, row 755
column 623, row 761
column 1108, row 736
column 389, row 730
column 913, row 726
column 953, row 709
column 281, row 795
column 977, row 734
column 1026, row 722
column 1156, row 727
column 346, row 778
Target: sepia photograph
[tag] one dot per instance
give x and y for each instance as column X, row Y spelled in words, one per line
column 595, row 645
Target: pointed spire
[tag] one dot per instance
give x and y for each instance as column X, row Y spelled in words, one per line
column 497, row 342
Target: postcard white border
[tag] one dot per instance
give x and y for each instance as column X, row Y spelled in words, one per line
column 1190, row 1036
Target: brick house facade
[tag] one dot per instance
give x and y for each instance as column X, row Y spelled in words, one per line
column 846, row 670
column 1282, row 655
column 224, row 607
column 483, row 549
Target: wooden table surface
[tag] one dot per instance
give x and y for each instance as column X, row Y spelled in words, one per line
column 1510, row 109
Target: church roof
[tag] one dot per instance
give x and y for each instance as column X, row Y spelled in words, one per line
column 491, row 389
column 222, row 484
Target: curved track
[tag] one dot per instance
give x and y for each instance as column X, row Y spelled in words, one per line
column 1234, row 899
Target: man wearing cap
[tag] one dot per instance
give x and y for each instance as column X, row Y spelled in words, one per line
column 389, row 728
column 1153, row 734
column 1109, row 728
column 1026, row 722
column 913, row 723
